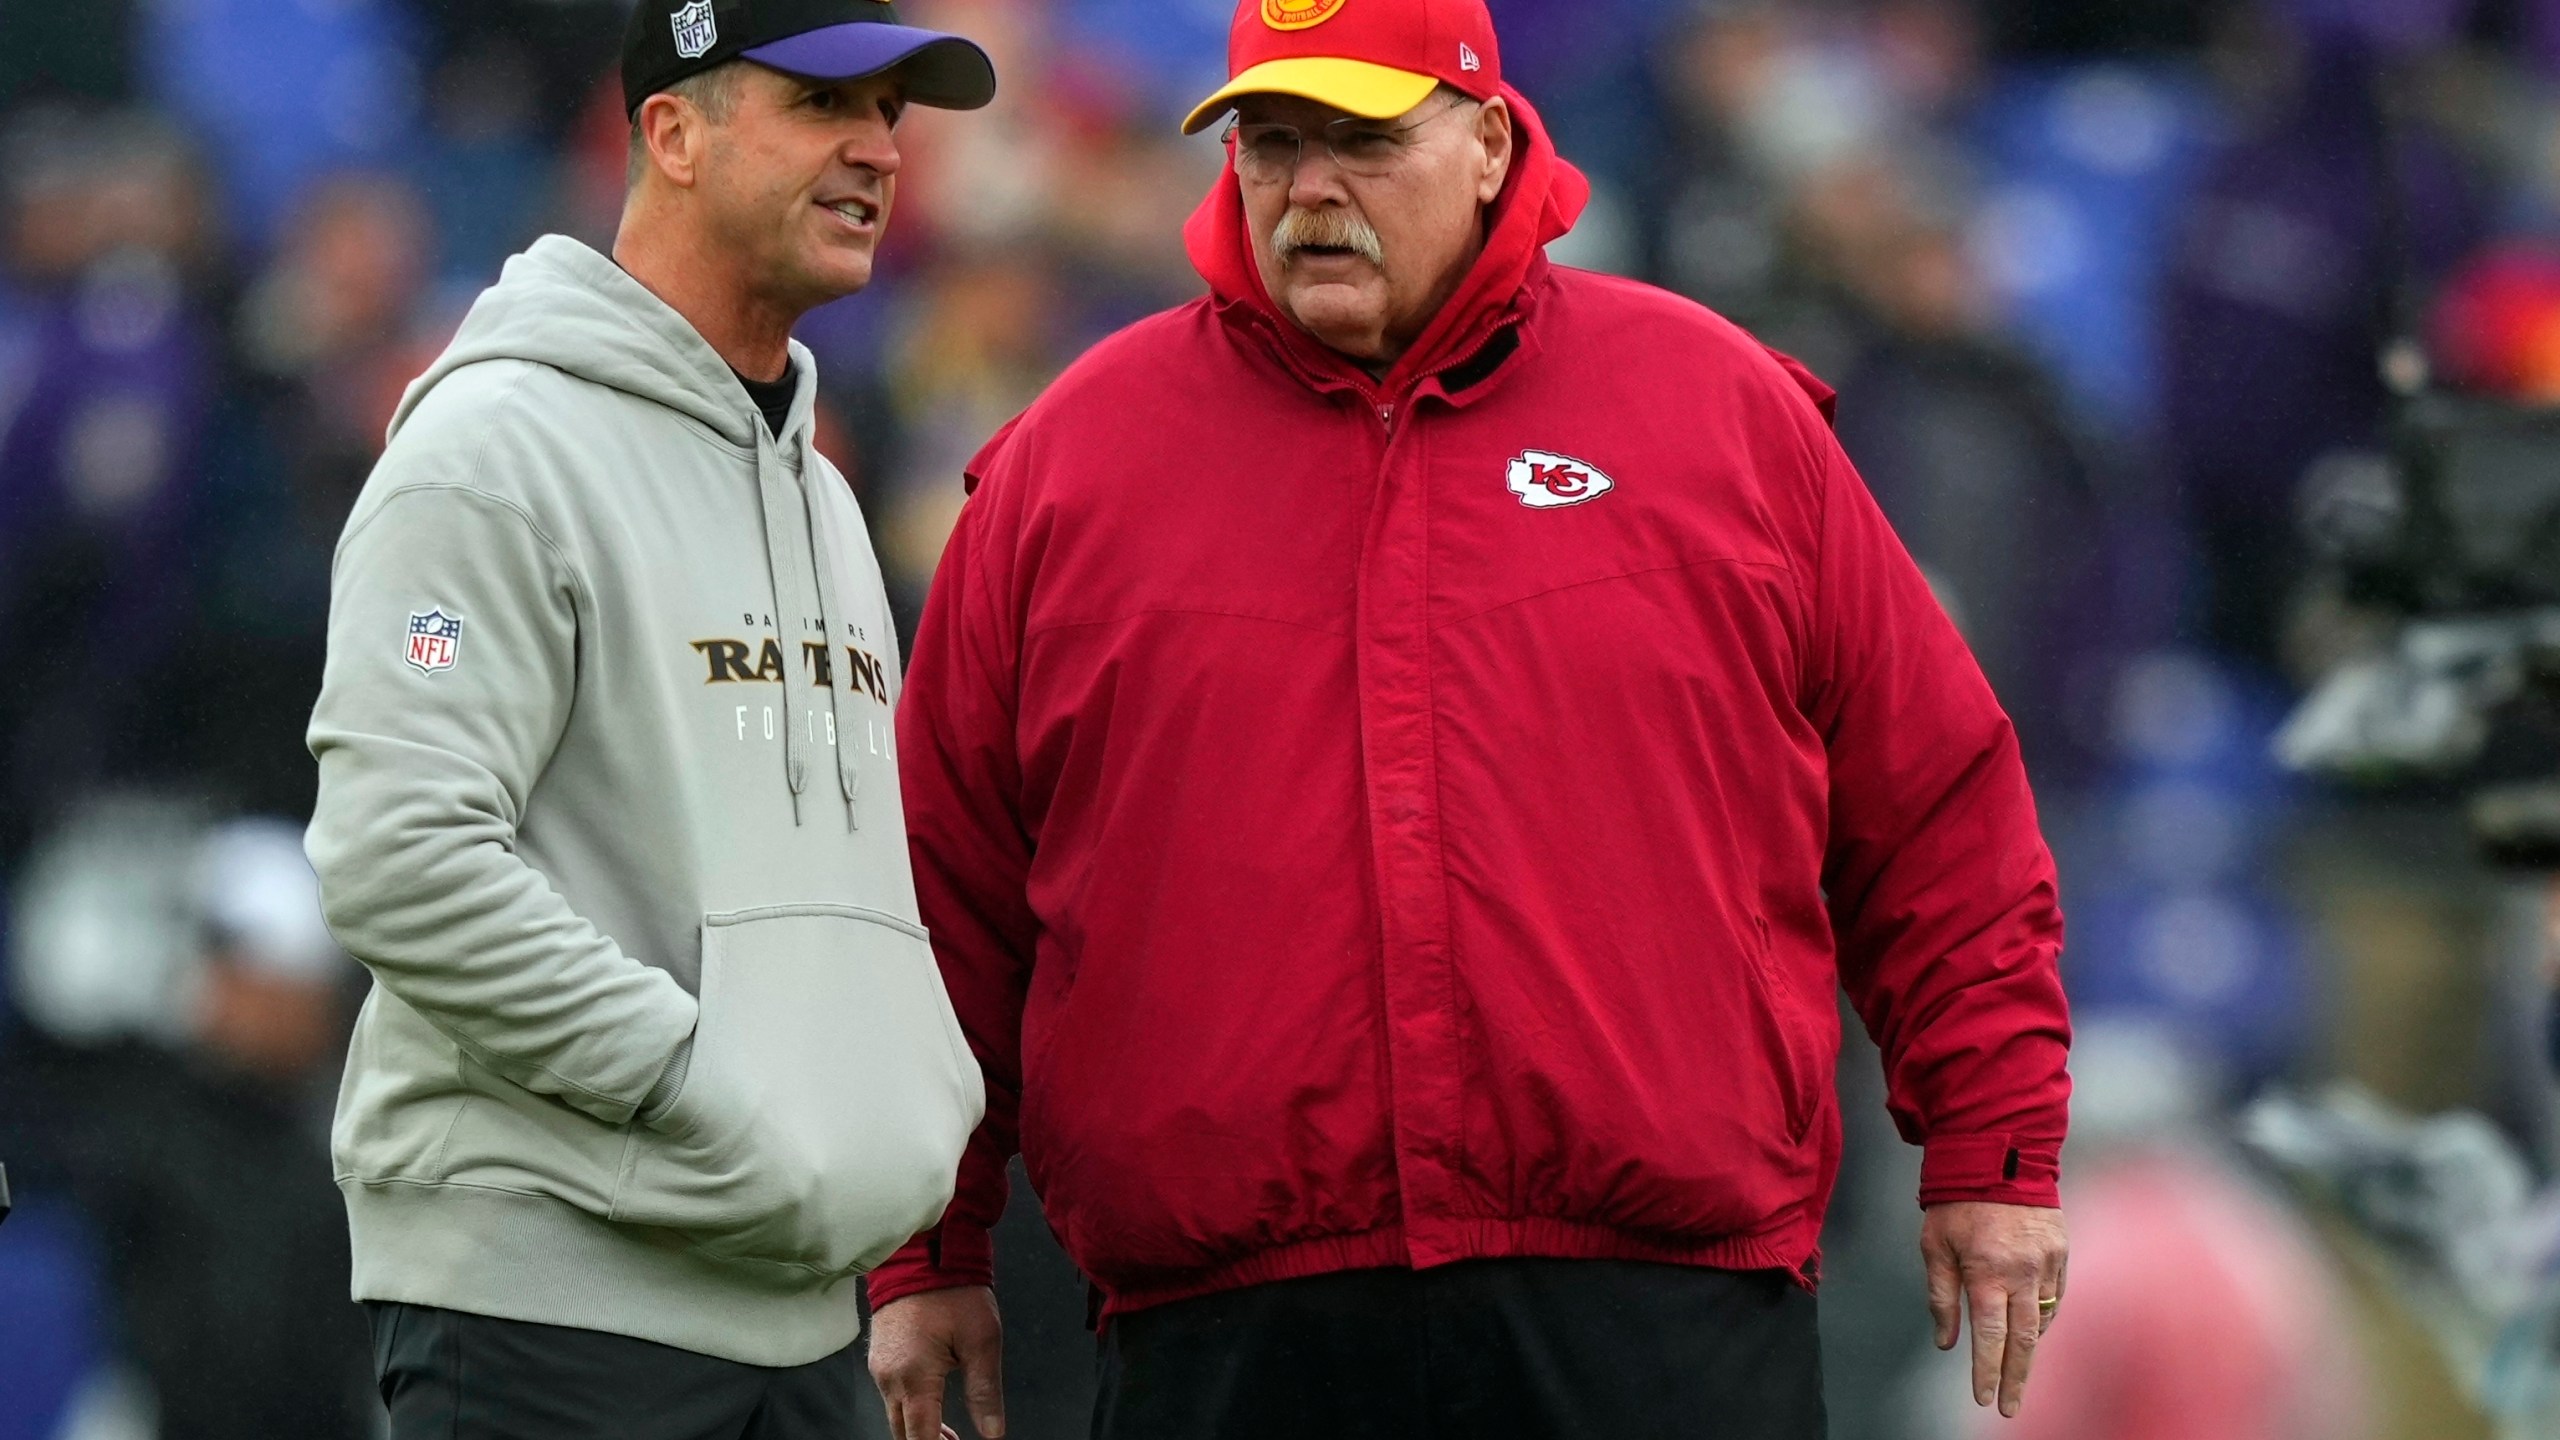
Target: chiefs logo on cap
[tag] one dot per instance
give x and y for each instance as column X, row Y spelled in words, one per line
column 1298, row 14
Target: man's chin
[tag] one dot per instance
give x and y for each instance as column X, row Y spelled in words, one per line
column 835, row 276
column 1345, row 317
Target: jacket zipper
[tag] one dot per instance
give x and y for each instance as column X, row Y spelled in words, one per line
column 1387, row 408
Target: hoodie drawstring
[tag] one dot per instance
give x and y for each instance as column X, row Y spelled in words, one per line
column 792, row 604
column 830, row 618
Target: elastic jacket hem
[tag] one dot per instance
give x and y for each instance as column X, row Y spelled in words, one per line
column 526, row 1257
column 1791, row 1247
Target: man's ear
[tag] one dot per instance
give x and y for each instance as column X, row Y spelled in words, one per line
column 671, row 127
column 1493, row 132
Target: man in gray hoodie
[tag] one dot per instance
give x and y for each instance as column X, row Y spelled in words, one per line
column 657, row 1060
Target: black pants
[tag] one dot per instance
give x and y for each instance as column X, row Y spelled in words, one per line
column 451, row 1376
column 1486, row 1350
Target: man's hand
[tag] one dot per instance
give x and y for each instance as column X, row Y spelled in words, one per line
column 916, row 1343
column 1999, row 1260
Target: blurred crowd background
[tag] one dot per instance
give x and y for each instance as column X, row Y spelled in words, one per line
column 2102, row 283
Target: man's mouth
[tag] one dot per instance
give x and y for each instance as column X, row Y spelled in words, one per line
column 855, row 211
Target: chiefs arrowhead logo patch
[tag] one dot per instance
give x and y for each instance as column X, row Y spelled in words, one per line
column 1544, row 480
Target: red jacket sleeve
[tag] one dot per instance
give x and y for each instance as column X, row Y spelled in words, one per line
column 962, row 783
column 1941, row 889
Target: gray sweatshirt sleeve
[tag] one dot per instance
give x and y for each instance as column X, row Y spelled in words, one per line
column 425, row 769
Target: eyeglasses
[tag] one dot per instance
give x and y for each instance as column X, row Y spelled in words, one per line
column 1270, row 153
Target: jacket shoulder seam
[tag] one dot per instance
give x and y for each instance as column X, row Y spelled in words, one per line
column 532, row 526
column 479, row 455
column 511, row 397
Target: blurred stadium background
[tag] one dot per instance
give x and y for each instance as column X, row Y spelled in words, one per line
column 2102, row 281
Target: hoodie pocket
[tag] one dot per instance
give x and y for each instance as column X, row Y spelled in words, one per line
column 1798, row 1054
column 821, row 1122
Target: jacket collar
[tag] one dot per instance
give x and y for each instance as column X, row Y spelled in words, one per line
column 1540, row 200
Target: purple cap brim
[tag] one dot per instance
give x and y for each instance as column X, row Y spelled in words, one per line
column 940, row 70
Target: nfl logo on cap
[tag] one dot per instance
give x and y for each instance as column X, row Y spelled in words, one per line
column 696, row 31
column 435, row 640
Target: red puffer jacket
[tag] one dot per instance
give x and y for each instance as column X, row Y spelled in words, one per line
column 1380, row 823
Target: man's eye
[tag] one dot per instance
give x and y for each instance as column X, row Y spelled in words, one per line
column 1364, row 145
column 821, row 100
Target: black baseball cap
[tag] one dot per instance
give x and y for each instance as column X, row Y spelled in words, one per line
column 669, row 40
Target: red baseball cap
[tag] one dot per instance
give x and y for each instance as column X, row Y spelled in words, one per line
column 1371, row 58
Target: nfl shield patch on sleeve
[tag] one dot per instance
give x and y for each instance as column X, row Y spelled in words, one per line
column 435, row 640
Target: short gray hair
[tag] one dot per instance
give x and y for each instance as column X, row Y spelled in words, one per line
column 714, row 92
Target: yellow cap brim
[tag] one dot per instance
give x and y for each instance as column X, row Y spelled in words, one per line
column 1355, row 87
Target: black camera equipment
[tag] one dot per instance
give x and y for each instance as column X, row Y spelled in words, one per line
column 2455, row 533
column 2478, row 525
column 2458, row 537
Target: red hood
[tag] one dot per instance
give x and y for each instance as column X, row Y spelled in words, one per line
column 1540, row 200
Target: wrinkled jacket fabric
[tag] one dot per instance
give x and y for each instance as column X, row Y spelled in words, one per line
column 1338, row 860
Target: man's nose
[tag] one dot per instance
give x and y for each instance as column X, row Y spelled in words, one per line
column 873, row 146
column 1317, row 178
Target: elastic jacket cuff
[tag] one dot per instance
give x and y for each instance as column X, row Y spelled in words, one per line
column 1999, row 1168
column 946, row 1257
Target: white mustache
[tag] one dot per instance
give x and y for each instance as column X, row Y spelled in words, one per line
column 1302, row 229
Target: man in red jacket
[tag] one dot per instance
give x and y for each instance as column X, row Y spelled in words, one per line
column 1401, row 755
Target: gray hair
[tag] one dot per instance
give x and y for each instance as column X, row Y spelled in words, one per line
column 714, row 92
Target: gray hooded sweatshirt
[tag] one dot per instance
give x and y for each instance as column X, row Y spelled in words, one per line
column 609, row 807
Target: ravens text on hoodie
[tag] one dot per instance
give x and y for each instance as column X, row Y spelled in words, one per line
column 608, row 806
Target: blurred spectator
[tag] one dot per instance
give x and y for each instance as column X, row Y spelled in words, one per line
column 325, row 338
column 2086, row 172
column 2174, row 919
column 2309, row 222
column 103, row 391
column 981, row 338
column 555, row 49
column 59, row 52
column 484, row 166
column 53, row 1362
column 1966, row 444
column 1174, row 49
column 1125, row 186
column 1711, row 196
column 283, row 90
column 184, row 1013
column 330, row 331
column 275, row 984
